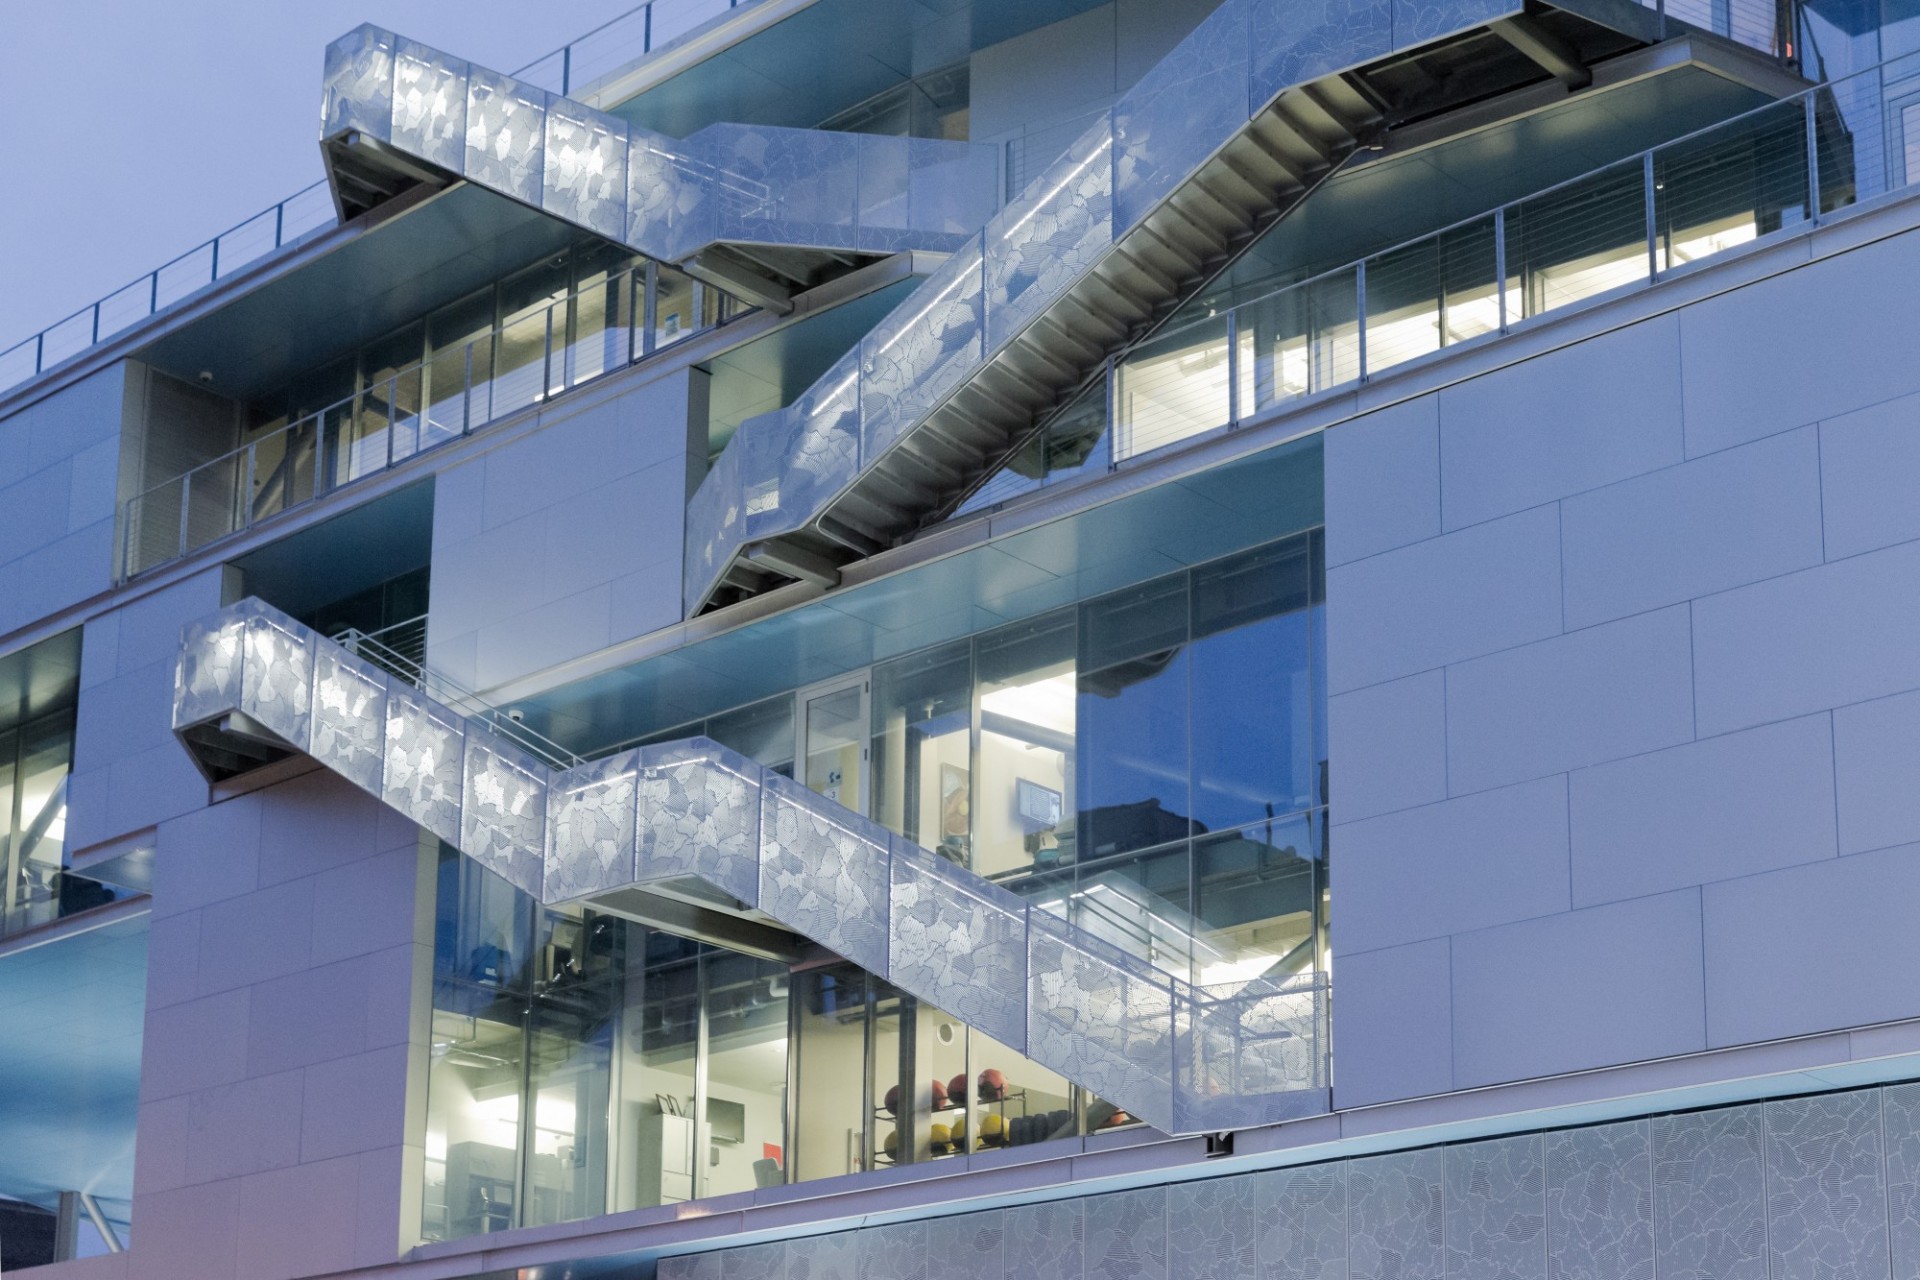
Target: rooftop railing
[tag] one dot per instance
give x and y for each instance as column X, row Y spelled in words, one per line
column 1620, row 228
column 572, row 69
column 520, row 362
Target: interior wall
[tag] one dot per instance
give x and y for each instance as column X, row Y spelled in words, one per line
column 1625, row 695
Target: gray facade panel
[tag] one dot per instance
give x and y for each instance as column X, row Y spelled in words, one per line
column 1721, row 521
column 1394, row 1023
column 1810, row 641
column 1859, row 908
column 1590, row 696
column 1611, row 984
column 1391, row 742
column 1876, row 751
column 1472, row 592
column 1869, row 464
column 1558, row 424
column 1466, row 863
column 1711, row 810
column 1383, row 480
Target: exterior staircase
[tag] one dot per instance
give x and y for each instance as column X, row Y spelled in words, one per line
column 253, row 684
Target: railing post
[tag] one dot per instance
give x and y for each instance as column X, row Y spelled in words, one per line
column 153, row 293
column 39, row 351
column 1360, row 311
column 1500, row 263
column 1233, row 366
column 1813, row 159
column 246, row 494
column 1653, row 219
column 566, row 70
column 96, row 325
column 186, row 505
column 546, row 360
column 279, row 223
column 646, row 31
column 216, row 260
column 320, row 485
column 393, row 389
column 651, row 304
column 466, row 395
column 1113, row 416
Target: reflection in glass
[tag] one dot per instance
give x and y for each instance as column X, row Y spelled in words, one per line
column 742, row 1138
column 1133, row 720
column 922, row 770
column 836, row 724
column 832, row 1115
column 1027, row 725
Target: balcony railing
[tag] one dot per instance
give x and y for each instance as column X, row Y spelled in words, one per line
column 1623, row 227
column 521, row 362
column 573, row 70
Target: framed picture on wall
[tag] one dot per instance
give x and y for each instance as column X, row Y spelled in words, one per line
column 955, row 802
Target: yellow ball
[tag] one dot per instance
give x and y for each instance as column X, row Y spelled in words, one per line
column 992, row 1126
column 942, row 1138
column 892, row 1144
column 960, row 1128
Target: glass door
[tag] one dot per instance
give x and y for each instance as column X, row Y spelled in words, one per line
column 832, row 747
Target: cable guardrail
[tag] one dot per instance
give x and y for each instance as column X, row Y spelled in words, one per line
column 520, row 362
column 1623, row 226
column 575, row 68
column 400, row 651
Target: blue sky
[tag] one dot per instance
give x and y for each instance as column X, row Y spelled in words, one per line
column 136, row 129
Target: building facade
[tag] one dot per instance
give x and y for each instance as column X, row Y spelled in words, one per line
column 748, row 651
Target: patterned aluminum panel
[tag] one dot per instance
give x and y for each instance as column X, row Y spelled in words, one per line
column 503, row 812
column 430, row 105
column 1100, row 1018
column 592, row 837
column 824, row 873
column 357, row 84
column 959, row 943
column 276, row 686
column 426, row 750
column 700, row 814
column 349, row 727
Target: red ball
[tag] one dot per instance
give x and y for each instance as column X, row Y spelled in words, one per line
column 993, row 1085
column 957, row 1088
column 892, row 1103
column 939, row 1095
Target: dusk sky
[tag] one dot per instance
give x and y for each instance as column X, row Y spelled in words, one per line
column 136, row 130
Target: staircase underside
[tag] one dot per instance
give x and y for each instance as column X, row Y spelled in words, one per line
column 695, row 816
column 1141, row 213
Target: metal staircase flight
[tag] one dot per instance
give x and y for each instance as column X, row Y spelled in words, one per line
column 760, row 211
column 1229, row 132
column 253, row 684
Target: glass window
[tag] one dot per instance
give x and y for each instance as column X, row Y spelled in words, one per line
column 1259, row 897
column 830, row 1120
column 922, row 768
column 836, row 724
column 742, row 1139
column 660, row 1031
column 1133, row 730
column 1253, row 723
column 1024, row 811
column 673, row 307
column 763, row 732
column 1139, row 904
column 576, row 999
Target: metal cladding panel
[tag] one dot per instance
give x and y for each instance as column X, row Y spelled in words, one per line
column 586, row 167
column 506, row 135
column 1100, row 1018
column 960, row 943
column 797, row 458
column 348, row 731
column 1182, row 111
column 430, row 105
column 824, row 873
column 503, row 811
column 276, row 685
column 592, row 840
column 358, row 84
column 425, row 756
column 1294, row 41
column 700, row 814
column 919, row 353
column 206, row 680
column 1041, row 243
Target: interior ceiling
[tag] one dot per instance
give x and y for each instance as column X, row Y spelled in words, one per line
column 1127, row 540
column 770, row 372
column 440, row 250
column 73, row 1011
column 832, row 55
column 356, row 550
column 1405, row 195
column 39, row 679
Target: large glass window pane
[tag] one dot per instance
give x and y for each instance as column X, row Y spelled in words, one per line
column 1023, row 798
column 830, row 1123
column 1581, row 239
column 460, row 355
column 1253, row 723
column 1139, row 904
column 836, row 728
column 654, row 1142
column 1300, row 341
column 1259, row 897
column 742, row 1139
column 1015, row 1101
column 576, row 999
column 763, row 732
column 1724, row 187
column 922, row 768
column 601, row 325
column 1133, row 720
column 40, row 838
column 674, row 316
column 1174, row 386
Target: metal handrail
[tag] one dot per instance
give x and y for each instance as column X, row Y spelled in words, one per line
column 367, row 645
column 368, row 432
column 1351, row 345
column 292, row 220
